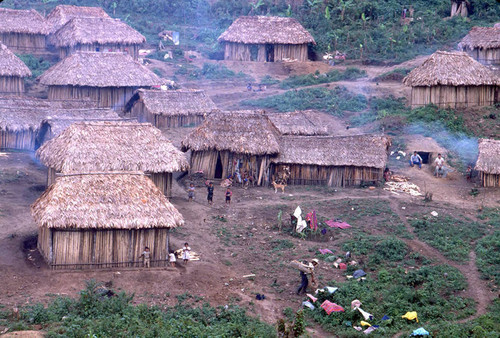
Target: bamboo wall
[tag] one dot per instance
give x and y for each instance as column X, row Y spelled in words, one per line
column 142, row 114
column 487, row 56
column 132, row 50
column 489, row 180
column 11, row 85
column 206, row 161
column 105, row 97
column 19, row 42
column 163, row 181
column 93, row 249
column 454, row 97
column 243, row 52
column 342, row 176
column 20, row 140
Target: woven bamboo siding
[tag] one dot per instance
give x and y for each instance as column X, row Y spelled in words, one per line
column 487, row 56
column 85, row 249
column 20, row 140
column 294, row 52
column 105, row 97
column 24, row 42
column 489, row 180
column 11, row 85
column 243, row 52
column 164, row 182
column 453, row 97
column 132, row 50
column 140, row 112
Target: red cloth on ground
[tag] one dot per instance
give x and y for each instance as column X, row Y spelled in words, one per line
column 340, row 225
column 342, row 266
column 330, row 307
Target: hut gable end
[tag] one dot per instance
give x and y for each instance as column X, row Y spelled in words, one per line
column 60, row 15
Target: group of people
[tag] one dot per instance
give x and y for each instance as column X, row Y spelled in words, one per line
column 210, row 193
column 440, row 170
column 186, row 256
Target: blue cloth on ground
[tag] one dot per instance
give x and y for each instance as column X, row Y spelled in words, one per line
column 385, row 317
column 420, row 332
column 359, row 273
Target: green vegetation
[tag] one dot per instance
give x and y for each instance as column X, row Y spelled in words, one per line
column 37, row 65
column 488, row 257
column 397, row 74
column 268, row 80
column 295, row 81
column 210, row 71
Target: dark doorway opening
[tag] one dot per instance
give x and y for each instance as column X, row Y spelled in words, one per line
column 218, row 167
column 254, row 52
column 270, row 53
column 426, row 156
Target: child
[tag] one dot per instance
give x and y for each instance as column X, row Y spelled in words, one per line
column 185, row 253
column 191, row 192
column 210, row 191
column 146, row 255
column 172, row 259
column 229, row 193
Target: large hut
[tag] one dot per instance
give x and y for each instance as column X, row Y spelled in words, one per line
column 23, row 30
column 112, row 146
column 170, row 108
column 266, row 39
column 12, row 72
column 61, row 14
column 333, row 161
column 89, row 221
column 452, row 80
column 488, row 162
column 297, row 123
column 97, row 35
column 483, row 44
column 109, row 79
column 231, row 141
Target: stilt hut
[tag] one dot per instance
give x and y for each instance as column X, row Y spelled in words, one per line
column 483, row 44
column 91, row 221
column 266, row 39
column 296, row 123
column 452, row 80
column 488, row 162
column 97, row 35
column 12, row 72
column 230, row 141
column 61, row 14
column 112, row 146
column 170, row 108
column 109, row 79
column 23, row 30
column 332, row 161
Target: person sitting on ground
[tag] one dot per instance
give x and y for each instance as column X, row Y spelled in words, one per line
column 387, row 175
column 146, row 255
column 440, row 169
column 416, row 159
column 303, row 276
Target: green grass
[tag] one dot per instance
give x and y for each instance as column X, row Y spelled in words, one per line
column 296, row 81
column 488, row 257
column 397, row 74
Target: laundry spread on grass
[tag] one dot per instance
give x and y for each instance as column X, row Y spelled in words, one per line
column 341, row 225
column 411, row 315
column 420, row 332
column 325, row 251
column 330, row 307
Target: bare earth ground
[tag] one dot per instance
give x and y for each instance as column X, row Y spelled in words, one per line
column 229, row 250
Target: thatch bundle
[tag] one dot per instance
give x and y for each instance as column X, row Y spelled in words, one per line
column 296, row 123
column 488, row 162
column 60, row 15
column 11, row 65
column 22, row 22
column 481, row 37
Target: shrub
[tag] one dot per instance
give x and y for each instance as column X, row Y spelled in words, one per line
column 37, row 65
column 488, row 257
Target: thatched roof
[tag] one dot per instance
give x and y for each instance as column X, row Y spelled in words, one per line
column 176, row 102
column 105, row 201
column 489, row 156
column 96, row 31
column 296, row 123
column 64, row 13
column 22, row 21
column 481, row 37
column 99, row 69
column 11, row 65
column 450, row 69
column 267, row 29
column 243, row 132
column 355, row 150
column 111, row 146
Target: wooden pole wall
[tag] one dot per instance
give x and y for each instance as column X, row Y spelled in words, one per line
column 453, row 97
column 20, row 42
column 105, row 97
column 131, row 49
column 23, row 139
column 11, row 85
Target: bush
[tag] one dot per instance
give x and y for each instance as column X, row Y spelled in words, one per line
column 488, row 257
column 37, row 65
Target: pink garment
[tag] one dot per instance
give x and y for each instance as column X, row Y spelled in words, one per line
column 312, row 219
column 330, row 307
column 342, row 266
column 341, row 225
column 325, row 251
column 311, row 297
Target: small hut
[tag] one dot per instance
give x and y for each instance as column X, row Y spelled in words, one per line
column 452, row 80
column 12, row 72
column 170, row 108
column 61, row 14
column 266, row 39
column 483, row 44
column 88, row 221
column 112, row 146
column 296, row 123
column 23, row 30
column 230, row 141
column 333, row 161
column 110, row 79
column 488, row 162
column 97, row 34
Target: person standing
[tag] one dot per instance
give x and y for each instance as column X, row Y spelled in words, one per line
column 416, row 159
column 229, row 193
column 304, row 282
column 191, row 192
column 210, row 193
column 146, row 256
column 186, row 253
column 172, row 259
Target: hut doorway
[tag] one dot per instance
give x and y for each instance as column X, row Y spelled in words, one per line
column 269, row 53
column 254, row 53
column 426, row 156
column 218, row 167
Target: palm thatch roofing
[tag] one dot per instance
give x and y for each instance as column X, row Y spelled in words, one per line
column 99, row 69
column 355, row 150
column 176, row 102
column 96, row 30
column 450, row 69
column 11, row 65
column 105, row 201
column 296, row 123
column 489, row 156
column 267, row 29
column 60, row 15
column 243, row 132
column 111, row 146
column 22, row 22
column 481, row 37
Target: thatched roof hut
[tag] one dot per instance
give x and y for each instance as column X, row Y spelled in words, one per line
column 170, row 108
column 60, row 15
column 296, row 123
column 233, row 141
column 333, row 161
column 23, row 30
column 109, row 79
column 12, row 72
column 488, row 162
column 452, row 79
column 483, row 44
column 266, row 39
column 103, row 220
column 97, row 34
column 113, row 146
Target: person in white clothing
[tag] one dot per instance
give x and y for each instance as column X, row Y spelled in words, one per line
column 172, row 259
column 439, row 162
column 185, row 253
